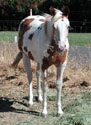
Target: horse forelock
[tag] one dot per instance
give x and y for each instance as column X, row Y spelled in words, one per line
column 49, row 28
column 50, row 20
column 49, row 25
column 55, row 19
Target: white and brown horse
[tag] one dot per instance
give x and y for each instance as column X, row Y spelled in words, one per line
column 45, row 40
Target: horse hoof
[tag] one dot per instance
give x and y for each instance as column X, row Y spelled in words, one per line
column 40, row 100
column 60, row 113
column 44, row 115
column 30, row 105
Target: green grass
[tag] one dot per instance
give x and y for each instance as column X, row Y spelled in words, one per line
column 76, row 112
column 7, row 36
column 78, row 39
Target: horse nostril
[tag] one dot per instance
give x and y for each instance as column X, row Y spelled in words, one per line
column 62, row 48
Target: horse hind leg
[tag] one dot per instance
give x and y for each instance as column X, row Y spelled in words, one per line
column 27, row 66
column 17, row 60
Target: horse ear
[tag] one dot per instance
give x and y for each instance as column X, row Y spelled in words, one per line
column 53, row 11
column 66, row 11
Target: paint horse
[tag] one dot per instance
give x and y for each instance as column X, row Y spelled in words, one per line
column 45, row 40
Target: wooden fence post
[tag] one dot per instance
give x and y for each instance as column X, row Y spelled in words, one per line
column 15, row 39
column 30, row 12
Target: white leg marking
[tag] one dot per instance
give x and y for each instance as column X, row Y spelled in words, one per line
column 44, row 87
column 27, row 67
column 59, row 83
column 39, row 91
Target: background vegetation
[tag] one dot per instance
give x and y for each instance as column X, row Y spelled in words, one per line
column 18, row 9
column 13, row 9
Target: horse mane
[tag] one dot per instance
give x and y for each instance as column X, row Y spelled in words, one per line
column 46, row 15
column 50, row 20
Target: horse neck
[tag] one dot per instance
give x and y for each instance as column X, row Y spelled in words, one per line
column 49, row 31
column 49, row 28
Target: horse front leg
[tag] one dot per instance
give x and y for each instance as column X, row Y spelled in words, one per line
column 44, row 88
column 59, row 84
column 27, row 66
column 39, row 91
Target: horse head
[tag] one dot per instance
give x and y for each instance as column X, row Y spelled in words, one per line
column 59, row 29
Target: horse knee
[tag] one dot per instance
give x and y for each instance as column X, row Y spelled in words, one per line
column 58, row 87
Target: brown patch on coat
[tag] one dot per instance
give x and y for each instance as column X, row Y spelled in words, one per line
column 31, row 36
column 53, row 11
column 30, row 55
column 42, row 20
column 25, row 48
column 57, row 59
column 46, row 80
column 45, row 27
column 54, row 59
column 23, row 28
column 52, row 37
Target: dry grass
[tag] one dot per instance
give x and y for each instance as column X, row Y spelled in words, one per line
column 8, row 52
column 13, row 87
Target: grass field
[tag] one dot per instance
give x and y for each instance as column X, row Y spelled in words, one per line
column 78, row 39
column 77, row 112
column 7, row 36
column 76, row 92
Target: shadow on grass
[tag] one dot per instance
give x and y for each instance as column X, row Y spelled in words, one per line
column 6, row 105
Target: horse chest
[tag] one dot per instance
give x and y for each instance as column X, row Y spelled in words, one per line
column 54, row 59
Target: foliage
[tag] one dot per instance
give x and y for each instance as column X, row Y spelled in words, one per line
column 44, row 7
column 12, row 9
column 21, row 8
column 18, row 8
column 80, row 10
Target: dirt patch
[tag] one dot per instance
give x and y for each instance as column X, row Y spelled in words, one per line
column 14, row 89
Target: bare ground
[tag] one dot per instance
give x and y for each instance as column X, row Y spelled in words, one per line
column 14, row 90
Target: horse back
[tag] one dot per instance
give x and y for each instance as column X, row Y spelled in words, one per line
column 29, row 27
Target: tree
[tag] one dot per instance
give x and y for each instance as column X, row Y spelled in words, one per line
column 44, row 7
column 17, row 9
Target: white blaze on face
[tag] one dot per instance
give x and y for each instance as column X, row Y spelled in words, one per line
column 61, row 32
